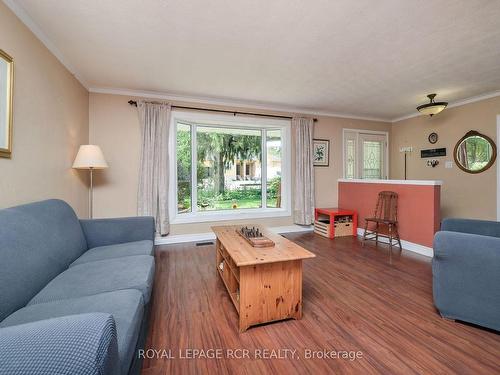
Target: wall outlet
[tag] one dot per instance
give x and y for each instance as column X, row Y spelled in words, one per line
column 406, row 149
column 448, row 164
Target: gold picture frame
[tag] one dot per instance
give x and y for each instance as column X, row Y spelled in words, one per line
column 6, row 105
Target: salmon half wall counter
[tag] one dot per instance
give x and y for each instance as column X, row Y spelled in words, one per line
column 418, row 212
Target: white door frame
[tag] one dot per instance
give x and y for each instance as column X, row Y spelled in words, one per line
column 498, row 169
column 364, row 131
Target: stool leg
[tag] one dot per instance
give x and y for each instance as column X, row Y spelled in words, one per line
column 390, row 238
column 397, row 236
column 364, row 234
column 376, row 234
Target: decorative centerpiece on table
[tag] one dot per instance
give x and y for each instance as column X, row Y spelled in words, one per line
column 254, row 237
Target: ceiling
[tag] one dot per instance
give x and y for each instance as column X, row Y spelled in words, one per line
column 366, row 58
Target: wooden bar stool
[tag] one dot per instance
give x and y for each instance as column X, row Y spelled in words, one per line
column 385, row 217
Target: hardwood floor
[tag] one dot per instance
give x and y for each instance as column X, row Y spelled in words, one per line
column 354, row 300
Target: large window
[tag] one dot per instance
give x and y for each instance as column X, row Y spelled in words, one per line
column 227, row 167
column 365, row 154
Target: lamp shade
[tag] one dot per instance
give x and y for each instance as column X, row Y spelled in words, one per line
column 90, row 157
column 432, row 108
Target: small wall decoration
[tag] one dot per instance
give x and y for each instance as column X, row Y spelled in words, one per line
column 433, row 152
column 321, row 152
column 433, row 138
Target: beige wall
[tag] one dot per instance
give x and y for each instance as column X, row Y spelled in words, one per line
column 114, row 126
column 463, row 194
column 50, row 122
column 326, row 177
column 53, row 115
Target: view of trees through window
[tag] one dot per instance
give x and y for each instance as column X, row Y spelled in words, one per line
column 474, row 153
column 229, row 168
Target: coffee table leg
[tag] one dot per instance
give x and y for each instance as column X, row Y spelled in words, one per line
column 297, row 313
column 243, row 324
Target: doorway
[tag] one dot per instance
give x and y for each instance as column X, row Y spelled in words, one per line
column 365, row 154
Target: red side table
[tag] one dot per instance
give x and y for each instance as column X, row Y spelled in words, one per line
column 332, row 213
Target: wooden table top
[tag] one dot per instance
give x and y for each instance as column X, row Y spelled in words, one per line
column 335, row 211
column 244, row 254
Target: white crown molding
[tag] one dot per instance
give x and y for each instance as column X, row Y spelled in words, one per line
column 25, row 18
column 227, row 102
column 207, row 100
column 406, row 117
column 457, row 103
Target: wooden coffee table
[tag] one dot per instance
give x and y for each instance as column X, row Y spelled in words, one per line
column 265, row 284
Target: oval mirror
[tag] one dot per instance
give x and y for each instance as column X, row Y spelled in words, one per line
column 475, row 152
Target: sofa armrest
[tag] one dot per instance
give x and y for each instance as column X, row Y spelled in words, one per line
column 466, row 275
column 102, row 232
column 74, row 344
column 481, row 227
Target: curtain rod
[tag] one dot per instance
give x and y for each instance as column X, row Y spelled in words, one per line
column 134, row 103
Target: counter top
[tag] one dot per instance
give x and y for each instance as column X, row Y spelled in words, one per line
column 394, row 182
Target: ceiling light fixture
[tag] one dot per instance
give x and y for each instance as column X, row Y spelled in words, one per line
column 432, row 108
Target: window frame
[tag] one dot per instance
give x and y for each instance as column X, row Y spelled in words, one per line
column 356, row 134
column 233, row 122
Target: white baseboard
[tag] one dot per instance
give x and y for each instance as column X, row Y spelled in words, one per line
column 292, row 229
column 407, row 245
column 210, row 236
column 181, row 238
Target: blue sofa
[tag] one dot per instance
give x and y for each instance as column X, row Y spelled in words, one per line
column 74, row 294
column 466, row 271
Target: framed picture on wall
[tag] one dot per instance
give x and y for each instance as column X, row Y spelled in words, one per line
column 321, row 152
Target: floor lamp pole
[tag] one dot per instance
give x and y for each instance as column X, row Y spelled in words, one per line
column 91, row 195
column 405, row 165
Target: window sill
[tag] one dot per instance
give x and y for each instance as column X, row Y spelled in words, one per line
column 202, row 217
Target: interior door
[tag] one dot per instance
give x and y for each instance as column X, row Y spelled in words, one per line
column 372, row 156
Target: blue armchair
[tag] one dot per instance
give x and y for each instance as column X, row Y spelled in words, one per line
column 466, row 271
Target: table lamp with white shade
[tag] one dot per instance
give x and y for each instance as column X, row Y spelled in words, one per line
column 90, row 157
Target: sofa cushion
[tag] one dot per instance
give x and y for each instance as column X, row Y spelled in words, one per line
column 133, row 272
column 116, row 251
column 37, row 242
column 126, row 307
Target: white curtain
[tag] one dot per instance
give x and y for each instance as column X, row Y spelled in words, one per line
column 152, row 198
column 303, row 205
